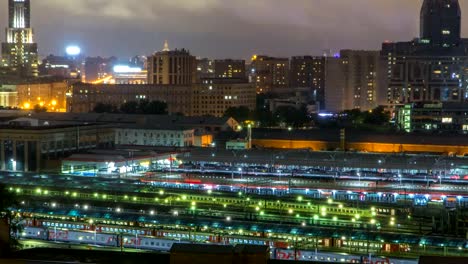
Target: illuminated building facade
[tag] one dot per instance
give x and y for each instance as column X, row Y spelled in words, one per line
column 229, row 68
column 309, row 72
column 19, row 52
column 50, row 95
column 270, row 74
column 26, row 96
column 434, row 117
column 124, row 74
column 172, row 67
column 432, row 68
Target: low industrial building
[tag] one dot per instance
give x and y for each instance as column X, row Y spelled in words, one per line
column 33, row 147
column 116, row 162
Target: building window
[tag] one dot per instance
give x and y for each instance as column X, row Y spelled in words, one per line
column 447, row 120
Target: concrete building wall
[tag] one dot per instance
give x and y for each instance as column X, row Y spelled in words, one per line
column 212, row 98
column 85, row 96
column 154, row 137
column 335, row 85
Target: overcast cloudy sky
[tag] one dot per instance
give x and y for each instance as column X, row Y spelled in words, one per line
column 221, row 28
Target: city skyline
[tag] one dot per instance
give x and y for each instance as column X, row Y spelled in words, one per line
column 219, row 29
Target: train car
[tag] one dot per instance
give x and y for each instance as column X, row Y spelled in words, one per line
column 325, row 257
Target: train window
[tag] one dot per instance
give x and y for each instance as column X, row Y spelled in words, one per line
column 152, row 243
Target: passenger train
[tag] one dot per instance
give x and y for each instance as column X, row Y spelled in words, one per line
column 164, row 244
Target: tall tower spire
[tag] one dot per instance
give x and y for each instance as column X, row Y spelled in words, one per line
column 19, row 50
column 441, row 22
column 166, row 46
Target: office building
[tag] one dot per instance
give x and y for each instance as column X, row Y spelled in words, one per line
column 270, row 75
column 434, row 118
column 309, row 72
column 19, row 52
column 353, row 81
column 432, row 68
column 214, row 96
column 230, row 69
column 172, row 67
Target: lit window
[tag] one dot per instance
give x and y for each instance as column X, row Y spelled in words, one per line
column 447, row 120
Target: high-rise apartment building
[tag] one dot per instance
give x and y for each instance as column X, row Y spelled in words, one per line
column 353, row 81
column 172, row 67
column 19, row 52
column 270, row 74
column 309, row 72
column 432, row 68
column 230, row 69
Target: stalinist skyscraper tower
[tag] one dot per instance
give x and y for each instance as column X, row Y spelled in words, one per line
column 19, row 52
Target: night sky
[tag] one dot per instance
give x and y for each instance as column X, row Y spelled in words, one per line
column 221, row 28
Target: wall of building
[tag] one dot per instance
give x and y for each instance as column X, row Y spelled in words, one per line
column 214, row 97
column 271, row 74
column 28, row 148
column 85, row 96
column 175, row 67
column 154, row 137
column 52, row 95
column 360, row 146
column 335, row 85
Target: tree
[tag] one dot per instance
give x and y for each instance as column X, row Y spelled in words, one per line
column 8, row 200
column 291, row 116
column 241, row 113
column 153, row 107
column 377, row 116
column 129, row 107
column 104, row 108
column 39, row 109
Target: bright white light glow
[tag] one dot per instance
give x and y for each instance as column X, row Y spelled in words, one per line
column 126, row 69
column 73, row 50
